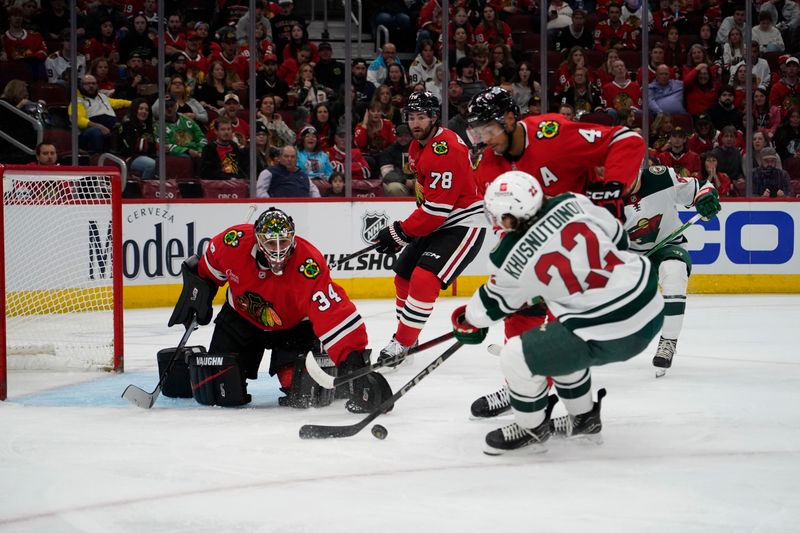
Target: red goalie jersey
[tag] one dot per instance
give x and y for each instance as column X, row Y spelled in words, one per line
column 270, row 302
column 562, row 154
column 446, row 192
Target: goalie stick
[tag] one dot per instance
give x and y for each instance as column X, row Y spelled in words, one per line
column 141, row 398
column 329, row 382
column 314, row 431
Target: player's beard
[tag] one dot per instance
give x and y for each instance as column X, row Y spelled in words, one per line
column 427, row 133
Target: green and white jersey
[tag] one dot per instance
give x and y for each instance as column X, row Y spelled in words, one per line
column 651, row 213
column 573, row 257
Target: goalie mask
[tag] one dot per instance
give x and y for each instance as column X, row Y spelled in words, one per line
column 274, row 231
column 513, row 193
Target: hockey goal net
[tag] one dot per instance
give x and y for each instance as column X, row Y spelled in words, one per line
column 60, row 269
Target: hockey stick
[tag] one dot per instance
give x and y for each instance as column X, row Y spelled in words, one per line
column 313, row 431
column 347, row 258
column 144, row 399
column 672, row 235
column 329, row 382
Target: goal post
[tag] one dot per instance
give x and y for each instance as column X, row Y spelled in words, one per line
column 60, row 270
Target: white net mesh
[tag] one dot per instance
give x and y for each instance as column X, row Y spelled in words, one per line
column 59, row 276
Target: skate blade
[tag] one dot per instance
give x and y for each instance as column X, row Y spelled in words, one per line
column 407, row 361
column 661, row 372
column 495, row 417
column 593, row 439
column 530, row 449
column 494, row 349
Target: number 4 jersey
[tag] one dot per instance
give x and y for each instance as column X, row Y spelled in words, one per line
column 573, row 257
column 303, row 292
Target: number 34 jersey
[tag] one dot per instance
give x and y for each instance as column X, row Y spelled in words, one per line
column 304, row 291
column 562, row 154
column 447, row 195
column 573, row 257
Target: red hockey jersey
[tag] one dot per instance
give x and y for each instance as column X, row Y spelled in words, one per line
column 562, row 154
column 446, row 192
column 270, row 302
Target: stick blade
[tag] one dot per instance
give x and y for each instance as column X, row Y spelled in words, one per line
column 139, row 397
column 314, row 431
column 317, row 374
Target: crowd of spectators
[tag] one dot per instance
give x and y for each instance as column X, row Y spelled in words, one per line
column 695, row 83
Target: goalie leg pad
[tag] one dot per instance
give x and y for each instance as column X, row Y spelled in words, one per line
column 177, row 384
column 304, row 392
column 217, row 380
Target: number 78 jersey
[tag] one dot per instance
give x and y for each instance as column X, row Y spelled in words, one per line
column 562, row 154
column 571, row 258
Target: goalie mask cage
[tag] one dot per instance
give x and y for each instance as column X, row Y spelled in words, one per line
column 60, row 270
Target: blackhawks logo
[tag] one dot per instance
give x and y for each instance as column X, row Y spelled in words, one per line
column 309, row 269
column 259, row 309
column 232, row 237
column 646, row 230
column 440, row 147
column 547, row 129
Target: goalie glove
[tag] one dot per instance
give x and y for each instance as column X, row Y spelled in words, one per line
column 392, row 239
column 195, row 298
column 707, row 203
column 463, row 331
column 608, row 194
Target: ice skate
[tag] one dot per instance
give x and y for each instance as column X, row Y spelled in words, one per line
column 664, row 354
column 491, row 405
column 586, row 425
column 514, row 437
column 394, row 355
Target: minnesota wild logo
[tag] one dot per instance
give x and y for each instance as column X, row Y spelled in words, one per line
column 440, row 147
column 547, row 129
column 309, row 269
column 646, row 230
column 232, row 237
column 259, row 309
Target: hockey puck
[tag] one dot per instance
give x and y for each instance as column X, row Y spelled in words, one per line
column 379, row 431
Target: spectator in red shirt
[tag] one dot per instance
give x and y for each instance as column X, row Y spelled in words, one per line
column 678, row 156
column 299, row 39
column 374, row 133
column 700, row 89
column 174, row 36
column 105, row 44
column 622, row 93
column 705, row 135
column 20, row 44
column 613, row 33
column 234, row 62
column 709, row 172
column 492, row 30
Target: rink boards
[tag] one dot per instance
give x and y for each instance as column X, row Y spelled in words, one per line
column 752, row 247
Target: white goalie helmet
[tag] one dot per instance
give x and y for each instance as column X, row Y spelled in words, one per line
column 513, row 193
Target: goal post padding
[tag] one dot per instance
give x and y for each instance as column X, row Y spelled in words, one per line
column 62, row 257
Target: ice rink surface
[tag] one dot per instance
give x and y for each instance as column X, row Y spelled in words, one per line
column 712, row 447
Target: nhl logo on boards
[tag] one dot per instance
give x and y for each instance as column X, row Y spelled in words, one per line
column 371, row 224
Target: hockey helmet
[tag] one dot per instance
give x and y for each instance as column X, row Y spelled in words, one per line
column 422, row 102
column 275, row 232
column 486, row 111
column 514, row 193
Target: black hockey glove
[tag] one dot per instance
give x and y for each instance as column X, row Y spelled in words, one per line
column 368, row 392
column 195, row 298
column 392, row 239
column 608, row 194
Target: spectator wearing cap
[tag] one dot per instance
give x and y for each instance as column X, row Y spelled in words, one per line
column 723, row 112
column 183, row 137
column 338, row 152
column 177, row 66
column 376, row 72
column 243, row 25
column 222, row 158
column 327, row 70
column 138, row 40
column 282, row 24
column 310, row 157
column 196, row 63
column 132, row 82
column 280, row 132
column 363, row 89
column 187, row 106
column 241, row 129
column 705, row 135
column 174, row 35
column 57, row 65
column 666, row 94
column 21, row 44
column 236, row 64
column 468, row 78
column 785, row 93
column 678, row 156
column 285, row 179
column 770, row 181
column 269, row 83
column 265, row 151
column 96, row 116
column 393, row 165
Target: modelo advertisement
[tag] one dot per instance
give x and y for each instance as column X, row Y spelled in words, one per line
column 746, row 238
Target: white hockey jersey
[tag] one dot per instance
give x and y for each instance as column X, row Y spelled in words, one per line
column 651, row 213
column 573, row 257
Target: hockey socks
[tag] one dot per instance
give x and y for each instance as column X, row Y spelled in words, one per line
column 423, row 289
column 575, row 390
